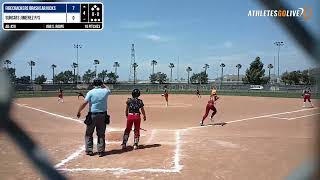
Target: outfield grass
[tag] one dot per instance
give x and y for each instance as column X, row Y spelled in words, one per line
column 283, row 94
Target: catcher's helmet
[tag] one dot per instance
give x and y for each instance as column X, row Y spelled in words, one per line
column 135, row 93
column 97, row 82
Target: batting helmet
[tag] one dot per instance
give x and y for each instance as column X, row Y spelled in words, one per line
column 97, row 82
column 135, row 93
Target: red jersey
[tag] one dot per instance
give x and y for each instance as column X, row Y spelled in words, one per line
column 212, row 100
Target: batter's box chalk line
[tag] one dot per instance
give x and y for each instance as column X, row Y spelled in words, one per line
column 119, row 170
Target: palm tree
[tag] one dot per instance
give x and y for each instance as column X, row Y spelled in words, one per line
column 31, row 64
column 7, row 62
column 74, row 67
column 134, row 65
column 171, row 66
column 95, row 62
column 238, row 66
column 153, row 63
column 116, row 65
column 270, row 66
column 53, row 66
column 222, row 65
column 188, row 71
column 206, row 66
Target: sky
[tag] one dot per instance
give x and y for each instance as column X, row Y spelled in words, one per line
column 191, row 32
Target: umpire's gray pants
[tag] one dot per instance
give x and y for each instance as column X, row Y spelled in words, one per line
column 99, row 124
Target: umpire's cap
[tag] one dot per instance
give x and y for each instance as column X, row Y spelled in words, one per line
column 97, row 82
column 135, row 93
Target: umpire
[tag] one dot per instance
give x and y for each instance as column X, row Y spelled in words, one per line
column 97, row 117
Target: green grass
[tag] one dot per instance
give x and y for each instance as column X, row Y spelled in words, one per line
column 26, row 94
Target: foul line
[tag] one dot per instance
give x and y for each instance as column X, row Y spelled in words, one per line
column 302, row 116
column 270, row 115
column 63, row 117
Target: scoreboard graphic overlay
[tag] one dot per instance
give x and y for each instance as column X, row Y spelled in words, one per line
column 52, row 16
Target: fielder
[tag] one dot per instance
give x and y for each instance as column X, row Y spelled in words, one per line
column 307, row 96
column 80, row 95
column 132, row 112
column 60, row 95
column 198, row 93
column 166, row 96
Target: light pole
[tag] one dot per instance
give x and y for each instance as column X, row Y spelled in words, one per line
column 77, row 47
column 279, row 44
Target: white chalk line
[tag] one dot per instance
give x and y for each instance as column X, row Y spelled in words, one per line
column 299, row 117
column 71, row 157
column 280, row 118
column 153, row 132
column 64, row 117
column 270, row 115
column 175, row 169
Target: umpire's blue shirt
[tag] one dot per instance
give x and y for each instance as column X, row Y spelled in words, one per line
column 98, row 99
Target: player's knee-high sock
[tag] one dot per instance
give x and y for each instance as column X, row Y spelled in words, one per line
column 125, row 139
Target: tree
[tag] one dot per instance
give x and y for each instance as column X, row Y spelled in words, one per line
column 270, row 66
column 103, row 75
column 116, row 65
column 31, row 64
column 88, row 76
column 201, row 78
column 95, row 62
column 285, row 78
column 255, row 73
column 171, row 66
column 64, row 77
column 153, row 78
column 7, row 62
column 112, row 78
column 153, row 63
column 188, row 71
column 238, row 66
column 23, row 80
column 74, row 67
column 40, row 79
column 162, row 77
column 206, row 66
column 159, row 77
column 134, row 65
column 53, row 66
column 11, row 73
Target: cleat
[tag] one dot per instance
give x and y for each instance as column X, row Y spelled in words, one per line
column 135, row 147
column 89, row 153
column 101, row 154
column 124, row 146
column 201, row 124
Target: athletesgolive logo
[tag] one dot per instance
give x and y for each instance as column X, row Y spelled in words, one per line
column 304, row 12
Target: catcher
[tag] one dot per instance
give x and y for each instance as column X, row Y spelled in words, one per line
column 132, row 112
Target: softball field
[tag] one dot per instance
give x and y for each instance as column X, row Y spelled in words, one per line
column 265, row 138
